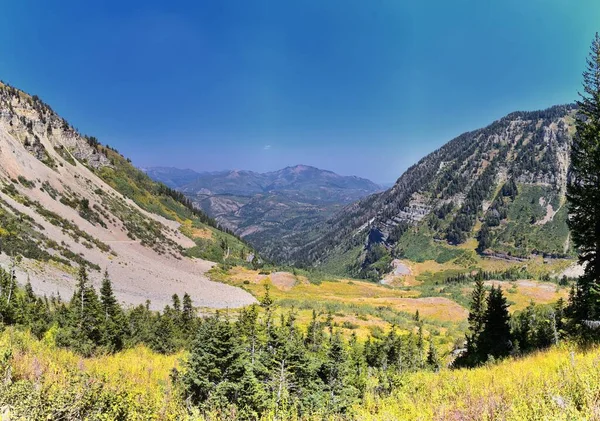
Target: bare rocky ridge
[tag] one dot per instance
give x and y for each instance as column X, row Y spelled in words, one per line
column 73, row 214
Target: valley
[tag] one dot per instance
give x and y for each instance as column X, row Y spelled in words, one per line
column 189, row 230
column 266, row 208
column 301, row 280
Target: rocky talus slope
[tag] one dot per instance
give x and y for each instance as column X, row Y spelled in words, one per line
column 66, row 200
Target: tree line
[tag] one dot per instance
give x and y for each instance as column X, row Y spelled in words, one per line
column 251, row 363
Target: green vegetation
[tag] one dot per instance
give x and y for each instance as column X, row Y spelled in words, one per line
column 418, row 247
column 584, row 195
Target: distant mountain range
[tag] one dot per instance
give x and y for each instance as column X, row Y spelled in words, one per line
column 266, row 207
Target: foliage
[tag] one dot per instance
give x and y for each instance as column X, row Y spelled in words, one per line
column 584, row 194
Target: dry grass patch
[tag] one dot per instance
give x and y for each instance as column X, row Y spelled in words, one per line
column 521, row 293
column 437, row 308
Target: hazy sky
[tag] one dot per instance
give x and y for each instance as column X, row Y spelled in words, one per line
column 358, row 87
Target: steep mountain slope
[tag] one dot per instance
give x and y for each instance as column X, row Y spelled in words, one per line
column 265, row 208
column 500, row 189
column 66, row 201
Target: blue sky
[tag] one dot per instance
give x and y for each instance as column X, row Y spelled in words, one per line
column 357, row 87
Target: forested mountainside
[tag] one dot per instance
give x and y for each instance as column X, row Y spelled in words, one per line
column 500, row 188
column 68, row 201
column 266, row 208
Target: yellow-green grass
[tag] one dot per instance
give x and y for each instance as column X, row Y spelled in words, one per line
column 138, row 376
column 521, row 293
column 358, row 307
column 562, row 383
column 559, row 384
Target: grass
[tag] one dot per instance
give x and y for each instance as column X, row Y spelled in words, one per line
column 52, row 383
column 41, row 381
column 559, row 384
column 372, row 307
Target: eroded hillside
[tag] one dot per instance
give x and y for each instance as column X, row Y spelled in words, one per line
column 66, row 200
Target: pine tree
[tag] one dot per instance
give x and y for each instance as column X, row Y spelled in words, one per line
column 188, row 314
column 267, row 303
column 335, row 372
column 176, row 304
column 433, row 361
column 217, row 370
column 495, row 340
column 420, row 345
column 583, row 190
column 523, row 330
column 85, row 315
column 314, row 334
column 289, row 372
column 114, row 318
column 484, row 238
column 476, row 323
column 250, row 331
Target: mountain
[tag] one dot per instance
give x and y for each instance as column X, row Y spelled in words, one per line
column 499, row 191
column 66, row 200
column 264, row 208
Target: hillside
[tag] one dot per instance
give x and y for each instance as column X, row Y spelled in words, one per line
column 499, row 190
column 265, row 208
column 66, row 200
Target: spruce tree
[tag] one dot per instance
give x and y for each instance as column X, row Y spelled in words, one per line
column 85, row 316
column 433, row 361
column 476, row 323
column 113, row 329
column 176, row 304
column 583, row 190
column 495, row 339
column 335, row 372
column 314, row 333
column 217, row 370
column 188, row 314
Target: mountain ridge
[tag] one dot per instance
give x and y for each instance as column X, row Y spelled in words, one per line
column 442, row 201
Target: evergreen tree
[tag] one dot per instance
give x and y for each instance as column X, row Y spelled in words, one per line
column 523, row 330
column 176, row 304
column 85, row 317
column 495, row 339
column 335, row 373
column 217, row 372
column 476, row 325
column 420, row 346
column 166, row 336
column 484, row 238
column 583, row 191
column 433, row 361
column 188, row 314
column 314, row 334
column 290, row 376
column 114, row 319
